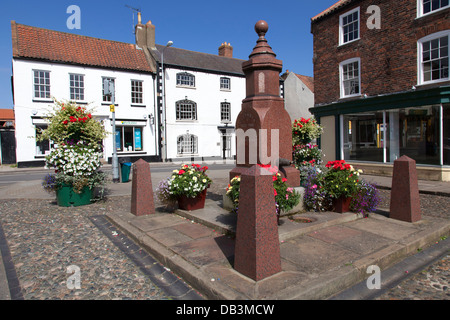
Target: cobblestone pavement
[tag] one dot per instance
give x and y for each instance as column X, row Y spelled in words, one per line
column 45, row 239
column 431, row 283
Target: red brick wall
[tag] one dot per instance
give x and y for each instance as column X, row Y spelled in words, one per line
column 388, row 55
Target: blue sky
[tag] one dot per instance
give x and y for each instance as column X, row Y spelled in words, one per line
column 198, row 25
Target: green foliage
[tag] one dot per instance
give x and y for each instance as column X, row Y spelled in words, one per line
column 341, row 179
column 285, row 197
column 305, row 130
column 69, row 122
column 188, row 181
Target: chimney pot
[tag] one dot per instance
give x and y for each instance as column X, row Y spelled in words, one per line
column 226, row 50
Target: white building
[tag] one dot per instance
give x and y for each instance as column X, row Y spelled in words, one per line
column 66, row 66
column 298, row 95
column 203, row 97
column 203, row 94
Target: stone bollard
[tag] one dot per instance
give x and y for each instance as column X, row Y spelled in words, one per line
column 141, row 189
column 405, row 204
column 257, row 248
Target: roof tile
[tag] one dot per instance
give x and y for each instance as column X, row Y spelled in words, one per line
column 37, row 43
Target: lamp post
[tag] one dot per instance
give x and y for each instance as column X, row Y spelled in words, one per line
column 164, row 99
column 109, row 89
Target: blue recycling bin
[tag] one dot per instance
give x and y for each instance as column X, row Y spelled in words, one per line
column 126, row 168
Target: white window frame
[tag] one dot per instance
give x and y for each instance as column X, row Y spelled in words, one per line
column 225, row 112
column 77, row 87
column 341, row 77
column 135, row 94
column 187, row 144
column 185, row 80
column 420, row 12
column 341, row 26
column 41, row 84
column 107, row 98
column 180, row 109
column 420, row 78
column 225, row 84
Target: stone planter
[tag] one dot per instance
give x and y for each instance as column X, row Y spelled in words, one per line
column 66, row 197
column 186, row 203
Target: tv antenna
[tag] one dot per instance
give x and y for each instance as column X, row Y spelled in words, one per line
column 134, row 10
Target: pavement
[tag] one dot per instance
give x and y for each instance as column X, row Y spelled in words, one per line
column 326, row 257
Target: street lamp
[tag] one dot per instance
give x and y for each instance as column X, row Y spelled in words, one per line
column 170, row 43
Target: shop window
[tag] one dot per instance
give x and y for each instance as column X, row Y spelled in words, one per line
column 129, row 138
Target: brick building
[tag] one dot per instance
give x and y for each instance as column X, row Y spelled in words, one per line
column 382, row 85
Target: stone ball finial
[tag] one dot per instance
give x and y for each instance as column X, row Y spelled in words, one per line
column 261, row 28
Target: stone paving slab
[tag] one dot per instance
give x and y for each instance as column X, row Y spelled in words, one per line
column 316, row 262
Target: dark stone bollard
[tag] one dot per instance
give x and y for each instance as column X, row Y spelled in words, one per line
column 257, row 248
column 141, row 189
column 405, row 204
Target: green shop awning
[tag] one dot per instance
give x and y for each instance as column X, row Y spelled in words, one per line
column 412, row 98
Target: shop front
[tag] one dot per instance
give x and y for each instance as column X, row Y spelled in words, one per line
column 374, row 132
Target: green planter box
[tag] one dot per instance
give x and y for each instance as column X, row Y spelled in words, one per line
column 66, row 197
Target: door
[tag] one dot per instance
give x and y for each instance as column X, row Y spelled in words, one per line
column 8, row 144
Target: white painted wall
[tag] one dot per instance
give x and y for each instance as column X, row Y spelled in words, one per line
column 298, row 97
column 208, row 96
column 27, row 108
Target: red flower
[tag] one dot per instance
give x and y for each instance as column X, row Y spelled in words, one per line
column 275, row 192
column 89, row 116
column 65, row 122
column 181, row 172
column 274, row 178
column 284, row 179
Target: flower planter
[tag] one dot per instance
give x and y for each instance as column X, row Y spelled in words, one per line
column 66, row 197
column 342, row 204
column 186, row 203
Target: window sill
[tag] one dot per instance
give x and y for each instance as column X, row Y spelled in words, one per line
column 225, row 90
column 123, row 153
column 187, row 120
column 429, row 83
column 348, row 42
column 138, row 105
column 79, row 102
column 350, row 97
column 108, row 104
column 187, row 155
column 432, row 12
column 42, row 100
column 186, row 87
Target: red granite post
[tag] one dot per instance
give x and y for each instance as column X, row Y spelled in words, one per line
column 405, row 204
column 141, row 189
column 257, row 246
column 263, row 112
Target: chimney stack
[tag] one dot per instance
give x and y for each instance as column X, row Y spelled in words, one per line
column 145, row 34
column 226, row 50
